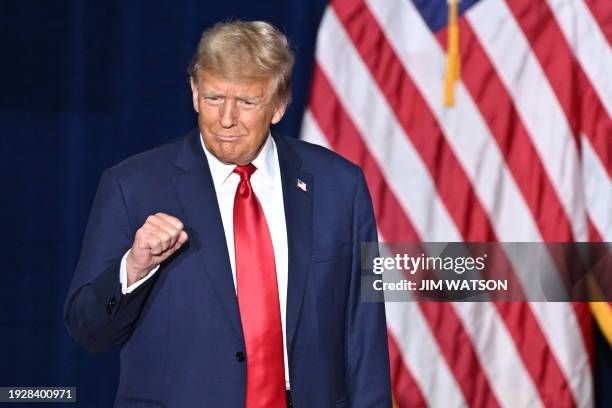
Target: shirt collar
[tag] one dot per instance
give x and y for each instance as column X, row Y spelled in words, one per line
column 264, row 162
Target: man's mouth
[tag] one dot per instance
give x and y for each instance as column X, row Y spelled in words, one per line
column 228, row 138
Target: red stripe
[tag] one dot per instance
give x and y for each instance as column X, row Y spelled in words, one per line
column 575, row 93
column 323, row 102
column 406, row 391
column 602, row 13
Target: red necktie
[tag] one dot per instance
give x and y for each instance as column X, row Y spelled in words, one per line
column 258, row 298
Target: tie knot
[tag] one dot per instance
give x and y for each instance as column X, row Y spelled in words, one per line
column 245, row 172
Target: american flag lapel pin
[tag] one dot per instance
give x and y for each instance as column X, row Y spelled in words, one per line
column 302, row 185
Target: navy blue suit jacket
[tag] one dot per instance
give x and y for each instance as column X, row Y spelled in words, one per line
column 180, row 333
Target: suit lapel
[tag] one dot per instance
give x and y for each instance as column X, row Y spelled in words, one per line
column 197, row 195
column 298, row 217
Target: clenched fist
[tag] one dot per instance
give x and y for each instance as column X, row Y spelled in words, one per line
column 159, row 237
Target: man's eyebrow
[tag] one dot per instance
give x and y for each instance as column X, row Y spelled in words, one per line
column 249, row 98
column 207, row 93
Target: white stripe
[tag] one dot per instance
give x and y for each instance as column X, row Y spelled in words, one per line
column 464, row 128
column 588, row 44
column 401, row 165
column 559, row 324
column 536, row 103
column 598, row 190
column 492, row 340
column 311, row 132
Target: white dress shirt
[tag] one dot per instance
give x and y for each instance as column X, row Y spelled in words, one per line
column 266, row 182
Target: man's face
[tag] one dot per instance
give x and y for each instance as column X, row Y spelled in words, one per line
column 234, row 117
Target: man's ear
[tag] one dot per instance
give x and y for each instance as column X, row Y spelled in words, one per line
column 195, row 95
column 279, row 111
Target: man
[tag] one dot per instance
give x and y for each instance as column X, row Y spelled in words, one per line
column 226, row 264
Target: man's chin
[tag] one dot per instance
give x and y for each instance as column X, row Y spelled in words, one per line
column 231, row 157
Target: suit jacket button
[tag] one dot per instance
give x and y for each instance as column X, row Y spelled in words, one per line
column 240, row 356
column 110, row 305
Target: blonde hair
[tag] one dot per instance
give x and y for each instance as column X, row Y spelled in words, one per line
column 246, row 50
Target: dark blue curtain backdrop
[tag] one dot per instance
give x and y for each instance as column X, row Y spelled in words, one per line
column 83, row 85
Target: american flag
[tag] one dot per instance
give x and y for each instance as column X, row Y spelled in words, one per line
column 520, row 152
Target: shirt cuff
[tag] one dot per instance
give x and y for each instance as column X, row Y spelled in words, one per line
column 125, row 289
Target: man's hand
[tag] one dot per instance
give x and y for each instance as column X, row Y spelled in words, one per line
column 159, row 237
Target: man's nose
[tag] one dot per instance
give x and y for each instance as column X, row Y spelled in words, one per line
column 228, row 114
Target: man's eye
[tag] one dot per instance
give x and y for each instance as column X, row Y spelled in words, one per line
column 212, row 99
column 247, row 103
